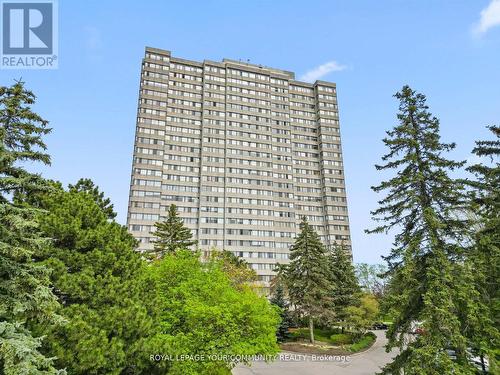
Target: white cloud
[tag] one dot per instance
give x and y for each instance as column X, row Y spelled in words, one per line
column 93, row 43
column 321, row 71
column 93, row 38
column 490, row 17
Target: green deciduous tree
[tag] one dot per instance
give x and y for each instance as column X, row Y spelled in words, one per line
column 363, row 314
column 25, row 295
column 101, row 283
column 307, row 278
column 236, row 268
column 203, row 314
column 421, row 205
column 171, row 234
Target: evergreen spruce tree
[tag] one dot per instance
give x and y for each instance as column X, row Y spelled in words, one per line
column 422, row 205
column 87, row 185
column 307, row 276
column 346, row 291
column 484, row 260
column 25, row 295
column 278, row 299
column 171, row 234
column 102, row 284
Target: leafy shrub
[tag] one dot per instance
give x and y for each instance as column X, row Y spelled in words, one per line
column 319, row 334
column 203, row 313
column 365, row 342
column 332, row 336
column 341, row 339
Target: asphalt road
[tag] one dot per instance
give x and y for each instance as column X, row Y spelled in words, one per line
column 365, row 363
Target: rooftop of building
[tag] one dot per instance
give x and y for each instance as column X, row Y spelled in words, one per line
column 250, row 67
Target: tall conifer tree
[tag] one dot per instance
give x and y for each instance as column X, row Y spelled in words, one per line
column 422, row 205
column 102, row 285
column 278, row 299
column 171, row 234
column 484, row 260
column 346, row 290
column 25, row 295
column 87, row 185
column 307, row 277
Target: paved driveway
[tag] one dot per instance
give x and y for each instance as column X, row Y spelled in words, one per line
column 366, row 363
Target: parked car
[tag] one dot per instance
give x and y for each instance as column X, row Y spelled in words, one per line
column 417, row 328
column 419, row 331
column 481, row 364
column 379, row 325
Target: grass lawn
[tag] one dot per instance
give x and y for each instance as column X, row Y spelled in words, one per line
column 322, row 335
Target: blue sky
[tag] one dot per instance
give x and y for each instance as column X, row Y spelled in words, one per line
column 449, row 50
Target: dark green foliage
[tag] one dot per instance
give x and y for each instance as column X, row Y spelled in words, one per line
column 364, row 343
column 87, row 185
column 171, row 234
column 486, row 204
column 320, row 334
column 360, row 316
column 101, row 283
column 307, row 278
column 229, row 258
column 278, row 299
column 203, row 314
column 484, row 260
column 345, row 286
column 341, row 339
column 25, row 295
column 422, row 205
column 349, row 341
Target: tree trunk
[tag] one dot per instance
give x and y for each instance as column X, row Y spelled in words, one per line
column 311, row 329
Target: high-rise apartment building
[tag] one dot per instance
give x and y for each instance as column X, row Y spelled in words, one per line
column 244, row 151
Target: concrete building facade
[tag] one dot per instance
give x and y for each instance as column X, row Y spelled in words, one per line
column 244, row 151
